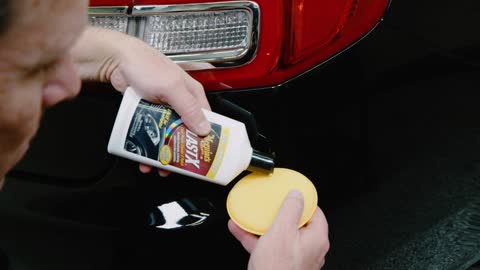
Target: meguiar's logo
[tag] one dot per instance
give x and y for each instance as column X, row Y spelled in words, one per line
column 205, row 147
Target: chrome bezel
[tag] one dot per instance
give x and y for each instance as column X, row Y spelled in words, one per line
column 216, row 58
column 108, row 11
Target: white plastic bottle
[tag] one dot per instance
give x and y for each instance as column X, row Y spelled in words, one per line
column 154, row 134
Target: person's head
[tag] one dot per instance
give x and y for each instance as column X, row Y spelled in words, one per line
column 36, row 70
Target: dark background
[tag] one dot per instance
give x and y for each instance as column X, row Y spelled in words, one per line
column 389, row 132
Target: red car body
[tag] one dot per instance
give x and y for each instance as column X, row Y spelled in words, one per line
column 294, row 36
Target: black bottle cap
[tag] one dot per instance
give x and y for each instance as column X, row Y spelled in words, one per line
column 261, row 162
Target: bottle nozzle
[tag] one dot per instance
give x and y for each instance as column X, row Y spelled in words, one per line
column 261, row 162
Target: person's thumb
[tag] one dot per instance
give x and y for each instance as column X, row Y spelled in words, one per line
column 248, row 240
column 189, row 108
column 290, row 212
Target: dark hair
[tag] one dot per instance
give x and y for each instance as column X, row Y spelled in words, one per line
column 5, row 15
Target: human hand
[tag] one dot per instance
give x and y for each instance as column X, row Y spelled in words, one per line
column 157, row 79
column 105, row 55
column 285, row 246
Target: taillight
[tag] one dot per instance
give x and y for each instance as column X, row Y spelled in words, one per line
column 210, row 32
column 114, row 18
column 244, row 44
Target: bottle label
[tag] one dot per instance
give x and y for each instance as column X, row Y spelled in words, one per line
column 157, row 132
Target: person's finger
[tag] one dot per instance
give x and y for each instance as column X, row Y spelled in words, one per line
column 189, row 108
column 163, row 173
column 144, row 168
column 198, row 91
column 288, row 216
column 247, row 239
column 147, row 169
column 189, row 66
column 322, row 264
column 317, row 226
column 118, row 81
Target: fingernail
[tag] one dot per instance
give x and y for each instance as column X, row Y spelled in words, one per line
column 163, row 173
column 203, row 127
column 294, row 193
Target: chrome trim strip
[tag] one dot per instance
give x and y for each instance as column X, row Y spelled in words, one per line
column 219, row 58
column 159, row 9
column 108, row 11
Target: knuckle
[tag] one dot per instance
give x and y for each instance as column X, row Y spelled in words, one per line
column 191, row 110
column 173, row 80
column 197, row 86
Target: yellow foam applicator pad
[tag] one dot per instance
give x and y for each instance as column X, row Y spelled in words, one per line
column 254, row 200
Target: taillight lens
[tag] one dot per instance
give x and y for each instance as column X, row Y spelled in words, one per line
column 110, row 22
column 208, row 32
column 114, row 18
column 246, row 44
column 199, row 32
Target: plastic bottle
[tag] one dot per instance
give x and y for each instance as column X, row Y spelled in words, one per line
column 154, row 134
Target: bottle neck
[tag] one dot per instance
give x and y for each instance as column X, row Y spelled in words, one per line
column 261, row 162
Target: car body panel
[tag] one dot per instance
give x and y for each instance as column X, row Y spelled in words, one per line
column 312, row 32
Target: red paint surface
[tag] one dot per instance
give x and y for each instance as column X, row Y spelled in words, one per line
column 111, row 2
column 295, row 35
